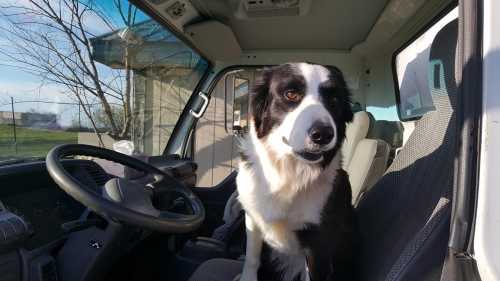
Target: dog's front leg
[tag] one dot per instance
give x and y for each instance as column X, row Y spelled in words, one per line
column 254, row 248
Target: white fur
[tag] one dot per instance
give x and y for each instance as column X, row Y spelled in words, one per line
column 294, row 128
column 280, row 192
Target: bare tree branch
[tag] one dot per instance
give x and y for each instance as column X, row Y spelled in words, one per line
column 50, row 39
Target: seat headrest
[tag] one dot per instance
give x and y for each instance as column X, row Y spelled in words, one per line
column 442, row 82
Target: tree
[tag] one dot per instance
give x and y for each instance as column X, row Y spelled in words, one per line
column 51, row 39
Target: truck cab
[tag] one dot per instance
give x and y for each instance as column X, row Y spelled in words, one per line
column 121, row 123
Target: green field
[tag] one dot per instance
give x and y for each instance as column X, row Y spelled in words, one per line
column 31, row 142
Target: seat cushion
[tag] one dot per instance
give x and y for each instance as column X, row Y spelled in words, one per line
column 217, row 270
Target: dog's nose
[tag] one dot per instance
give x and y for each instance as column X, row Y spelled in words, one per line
column 321, row 134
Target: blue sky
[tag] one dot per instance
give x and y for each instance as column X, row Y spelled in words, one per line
column 384, row 113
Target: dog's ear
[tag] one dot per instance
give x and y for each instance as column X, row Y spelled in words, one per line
column 260, row 99
column 343, row 94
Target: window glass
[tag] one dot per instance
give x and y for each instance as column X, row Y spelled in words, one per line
column 412, row 69
column 218, row 131
column 91, row 72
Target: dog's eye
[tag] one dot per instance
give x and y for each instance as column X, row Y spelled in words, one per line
column 293, row 96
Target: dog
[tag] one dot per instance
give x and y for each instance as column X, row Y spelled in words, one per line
column 296, row 197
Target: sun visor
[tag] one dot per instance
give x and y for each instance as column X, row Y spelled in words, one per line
column 214, row 39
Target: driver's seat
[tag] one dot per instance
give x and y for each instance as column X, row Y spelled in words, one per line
column 404, row 219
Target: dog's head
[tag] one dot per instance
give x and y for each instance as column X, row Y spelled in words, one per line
column 301, row 109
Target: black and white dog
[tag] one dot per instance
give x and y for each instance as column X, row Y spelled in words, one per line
column 296, row 197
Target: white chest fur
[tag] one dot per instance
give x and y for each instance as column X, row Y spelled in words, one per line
column 279, row 206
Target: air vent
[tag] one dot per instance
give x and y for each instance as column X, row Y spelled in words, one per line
column 272, row 8
column 98, row 175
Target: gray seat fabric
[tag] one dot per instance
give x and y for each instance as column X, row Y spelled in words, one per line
column 217, row 270
column 404, row 219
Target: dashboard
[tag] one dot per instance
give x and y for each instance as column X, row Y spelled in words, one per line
column 28, row 191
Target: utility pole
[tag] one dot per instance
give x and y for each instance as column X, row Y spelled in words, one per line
column 79, row 117
column 14, row 122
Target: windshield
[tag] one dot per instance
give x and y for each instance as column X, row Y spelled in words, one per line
column 89, row 72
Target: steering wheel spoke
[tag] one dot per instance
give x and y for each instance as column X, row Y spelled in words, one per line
column 130, row 195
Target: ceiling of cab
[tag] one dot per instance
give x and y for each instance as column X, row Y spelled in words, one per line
column 320, row 24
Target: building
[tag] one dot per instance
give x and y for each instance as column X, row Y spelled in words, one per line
column 30, row 119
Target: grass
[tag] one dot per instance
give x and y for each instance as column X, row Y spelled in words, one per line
column 31, row 142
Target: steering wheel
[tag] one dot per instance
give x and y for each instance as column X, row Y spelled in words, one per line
column 123, row 200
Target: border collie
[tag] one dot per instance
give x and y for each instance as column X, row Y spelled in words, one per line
column 296, row 197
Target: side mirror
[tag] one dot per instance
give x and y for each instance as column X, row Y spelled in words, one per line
column 237, row 95
column 240, row 105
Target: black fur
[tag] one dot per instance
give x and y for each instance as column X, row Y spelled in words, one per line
column 337, row 97
column 329, row 245
column 268, row 107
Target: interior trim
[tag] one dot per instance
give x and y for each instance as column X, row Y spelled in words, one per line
column 469, row 121
column 150, row 11
column 460, row 263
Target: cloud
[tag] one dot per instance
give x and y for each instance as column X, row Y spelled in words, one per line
column 93, row 23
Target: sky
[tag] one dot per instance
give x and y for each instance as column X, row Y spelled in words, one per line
column 23, row 86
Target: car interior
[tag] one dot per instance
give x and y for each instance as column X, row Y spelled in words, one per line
column 69, row 217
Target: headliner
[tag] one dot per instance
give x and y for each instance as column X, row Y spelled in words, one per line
column 329, row 24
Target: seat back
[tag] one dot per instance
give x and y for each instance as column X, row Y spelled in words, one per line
column 365, row 160
column 389, row 131
column 367, row 165
column 404, row 219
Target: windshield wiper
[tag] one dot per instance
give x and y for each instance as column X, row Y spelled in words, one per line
column 21, row 160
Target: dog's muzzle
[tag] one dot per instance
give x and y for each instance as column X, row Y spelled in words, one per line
column 308, row 156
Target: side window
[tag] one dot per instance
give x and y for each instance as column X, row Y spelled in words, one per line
column 217, row 133
column 89, row 72
column 413, row 72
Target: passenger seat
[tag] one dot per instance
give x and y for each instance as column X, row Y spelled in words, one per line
column 389, row 131
column 365, row 160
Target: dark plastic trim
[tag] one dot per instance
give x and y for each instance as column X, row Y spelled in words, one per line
column 460, row 264
column 469, row 121
column 181, row 130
